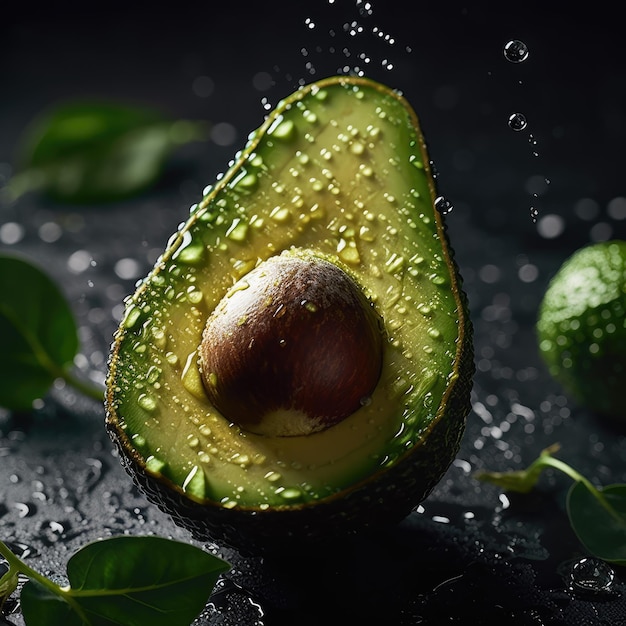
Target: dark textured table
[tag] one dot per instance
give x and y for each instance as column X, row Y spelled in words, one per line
column 469, row 554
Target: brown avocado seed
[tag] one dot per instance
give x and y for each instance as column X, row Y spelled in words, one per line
column 293, row 348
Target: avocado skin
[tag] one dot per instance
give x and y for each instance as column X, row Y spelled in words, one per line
column 380, row 499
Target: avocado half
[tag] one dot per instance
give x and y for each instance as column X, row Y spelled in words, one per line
column 338, row 175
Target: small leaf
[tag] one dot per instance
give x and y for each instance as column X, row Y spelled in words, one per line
column 600, row 527
column 91, row 152
column 39, row 337
column 42, row 607
column 142, row 580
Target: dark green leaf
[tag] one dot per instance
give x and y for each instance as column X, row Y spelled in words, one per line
column 42, row 607
column 142, row 580
column 89, row 152
column 70, row 129
column 600, row 529
column 39, row 337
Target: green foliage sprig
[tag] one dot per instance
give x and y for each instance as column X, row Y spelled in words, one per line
column 597, row 514
column 121, row 581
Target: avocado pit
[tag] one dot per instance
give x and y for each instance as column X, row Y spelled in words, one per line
column 294, row 347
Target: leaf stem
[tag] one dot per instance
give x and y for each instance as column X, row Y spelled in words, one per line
column 21, row 183
column 16, row 565
column 93, row 391
column 550, row 461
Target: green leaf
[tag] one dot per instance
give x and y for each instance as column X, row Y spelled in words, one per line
column 600, row 526
column 42, row 607
column 142, row 580
column 91, row 152
column 39, row 336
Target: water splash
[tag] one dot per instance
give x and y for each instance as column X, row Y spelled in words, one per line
column 356, row 41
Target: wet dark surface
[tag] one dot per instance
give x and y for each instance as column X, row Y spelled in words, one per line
column 468, row 554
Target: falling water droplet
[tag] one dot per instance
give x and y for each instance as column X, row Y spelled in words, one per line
column 591, row 576
column 515, row 51
column 534, row 214
column 517, row 121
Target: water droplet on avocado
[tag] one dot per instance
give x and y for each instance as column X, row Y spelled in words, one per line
column 394, row 263
column 139, row 441
column 366, row 170
column 246, row 182
column 153, row 374
column 204, row 457
column 191, row 255
column 367, row 234
column 153, row 464
column 194, row 295
column 237, row 230
column 195, row 483
column 280, row 213
column 147, row 402
column 438, row 279
column 416, row 162
column 172, row 359
column 400, row 387
column 290, row 494
column 159, row 338
column 191, row 378
column 133, row 313
column 357, row 148
column 348, row 252
column 434, row 333
column 243, row 460
column 273, row 476
column 284, row 130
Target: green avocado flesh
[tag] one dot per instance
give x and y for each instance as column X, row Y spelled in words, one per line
column 339, row 170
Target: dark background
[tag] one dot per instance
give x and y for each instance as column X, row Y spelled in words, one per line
column 469, row 554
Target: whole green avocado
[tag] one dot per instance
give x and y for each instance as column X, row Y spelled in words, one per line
column 581, row 330
column 298, row 364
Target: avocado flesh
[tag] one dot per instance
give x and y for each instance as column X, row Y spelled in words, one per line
column 339, row 169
